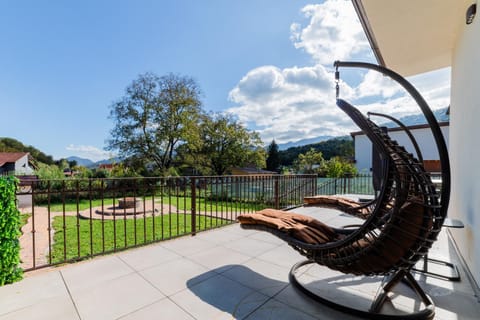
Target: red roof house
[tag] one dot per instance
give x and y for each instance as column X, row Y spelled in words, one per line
column 14, row 162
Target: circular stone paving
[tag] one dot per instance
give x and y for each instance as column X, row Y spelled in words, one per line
column 117, row 212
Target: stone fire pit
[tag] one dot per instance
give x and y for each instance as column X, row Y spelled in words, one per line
column 128, row 203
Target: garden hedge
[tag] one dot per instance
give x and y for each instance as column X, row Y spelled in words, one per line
column 10, row 270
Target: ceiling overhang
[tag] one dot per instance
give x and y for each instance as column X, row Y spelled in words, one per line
column 412, row 36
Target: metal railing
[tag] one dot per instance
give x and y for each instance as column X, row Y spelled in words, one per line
column 358, row 184
column 74, row 219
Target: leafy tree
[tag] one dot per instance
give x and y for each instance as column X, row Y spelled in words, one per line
column 155, row 116
column 340, row 146
column 62, row 164
column 72, row 163
column 223, row 143
column 12, row 145
column 82, row 172
column 100, row 173
column 122, row 170
column 273, row 158
column 310, row 162
column 48, row 172
column 337, row 167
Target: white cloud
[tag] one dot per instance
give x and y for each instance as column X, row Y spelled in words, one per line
column 299, row 102
column 289, row 104
column 333, row 32
column 88, row 152
column 388, row 96
column 375, row 84
column 434, row 87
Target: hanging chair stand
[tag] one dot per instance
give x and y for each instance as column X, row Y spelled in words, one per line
column 401, row 275
column 388, row 284
column 406, row 220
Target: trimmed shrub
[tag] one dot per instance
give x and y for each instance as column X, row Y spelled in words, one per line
column 10, row 270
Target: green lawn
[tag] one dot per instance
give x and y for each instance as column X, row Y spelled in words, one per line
column 96, row 237
column 179, row 202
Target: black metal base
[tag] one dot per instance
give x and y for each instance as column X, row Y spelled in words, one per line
column 455, row 274
column 374, row 313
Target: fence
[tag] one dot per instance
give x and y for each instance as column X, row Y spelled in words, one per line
column 73, row 219
column 360, row 184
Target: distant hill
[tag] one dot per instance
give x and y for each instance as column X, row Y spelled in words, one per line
column 12, row 145
column 91, row 164
column 343, row 146
column 81, row 161
column 284, row 146
column 339, row 146
column 416, row 119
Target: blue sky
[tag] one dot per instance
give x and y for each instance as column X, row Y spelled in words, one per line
column 63, row 63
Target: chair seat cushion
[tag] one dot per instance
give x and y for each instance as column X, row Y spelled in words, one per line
column 344, row 204
column 300, row 227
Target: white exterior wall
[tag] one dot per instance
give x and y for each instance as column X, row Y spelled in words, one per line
column 363, row 153
column 464, row 142
column 425, row 141
column 22, row 167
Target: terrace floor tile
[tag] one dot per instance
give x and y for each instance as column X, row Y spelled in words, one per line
column 226, row 273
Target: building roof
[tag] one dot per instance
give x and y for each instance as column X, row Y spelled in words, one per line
column 414, row 127
column 106, row 166
column 6, row 157
column 411, row 36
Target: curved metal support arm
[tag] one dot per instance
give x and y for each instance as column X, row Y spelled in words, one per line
column 404, row 127
column 427, row 112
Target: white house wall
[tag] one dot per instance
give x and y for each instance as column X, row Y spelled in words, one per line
column 363, row 153
column 22, row 167
column 464, row 142
column 425, row 141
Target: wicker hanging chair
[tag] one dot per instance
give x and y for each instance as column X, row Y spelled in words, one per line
column 406, row 218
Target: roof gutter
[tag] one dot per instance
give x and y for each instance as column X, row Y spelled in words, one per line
column 362, row 15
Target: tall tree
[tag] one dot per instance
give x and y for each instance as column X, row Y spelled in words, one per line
column 310, row 162
column 154, row 117
column 224, row 143
column 338, row 167
column 273, row 158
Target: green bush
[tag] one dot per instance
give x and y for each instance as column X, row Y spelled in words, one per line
column 337, row 167
column 10, row 270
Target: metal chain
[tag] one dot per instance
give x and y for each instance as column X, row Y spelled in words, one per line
column 337, row 80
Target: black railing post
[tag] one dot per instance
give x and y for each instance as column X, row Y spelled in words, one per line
column 350, row 178
column 276, row 192
column 193, row 190
column 33, row 224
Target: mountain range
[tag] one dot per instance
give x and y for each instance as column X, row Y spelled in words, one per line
column 290, row 144
column 416, row 119
column 411, row 120
column 89, row 163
